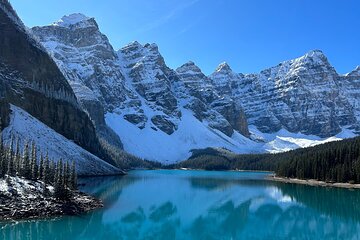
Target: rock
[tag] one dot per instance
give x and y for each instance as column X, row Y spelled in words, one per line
column 90, row 65
column 231, row 116
column 30, row 79
column 32, row 204
column 163, row 124
column 4, row 114
column 136, row 119
column 300, row 95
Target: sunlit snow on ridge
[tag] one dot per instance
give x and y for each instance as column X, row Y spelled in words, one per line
column 193, row 134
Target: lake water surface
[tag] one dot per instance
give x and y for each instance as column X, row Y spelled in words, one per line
column 174, row 204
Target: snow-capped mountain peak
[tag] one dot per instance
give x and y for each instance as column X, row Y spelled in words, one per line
column 132, row 46
column 313, row 57
column 354, row 73
column 151, row 106
column 223, row 67
column 136, row 52
column 315, row 52
column 152, row 46
column 190, row 68
column 77, row 19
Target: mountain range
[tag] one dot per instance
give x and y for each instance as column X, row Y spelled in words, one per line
column 161, row 113
column 131, row 100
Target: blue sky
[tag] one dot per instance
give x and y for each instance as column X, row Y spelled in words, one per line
column 248, row 34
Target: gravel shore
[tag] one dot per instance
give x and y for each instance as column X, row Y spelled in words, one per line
column 312, row 182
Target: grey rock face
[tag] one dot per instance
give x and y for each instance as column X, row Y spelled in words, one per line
column 149, row 82
column 216, row 107
column 134, row 81
column 86, row 57
column 163, row 124
column 301, row 95
column 30, row 79
column 4, row 114
column 150, row 77
column 349, row 86
column 136, row 119
column 90, row 65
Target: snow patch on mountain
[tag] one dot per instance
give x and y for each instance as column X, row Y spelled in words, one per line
column 284, row 140
column 71, row 19
column 27, row 128
column 161, row 114
column 156, row 145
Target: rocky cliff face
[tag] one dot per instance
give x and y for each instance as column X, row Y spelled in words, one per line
column 220, row 109
column 90, row 65
column 301, row 95
column 350, row 85
column 151, row 106
column 86, row 57
column 150, row 82
column 4, row 115
column 31, row 80
column 136, row 77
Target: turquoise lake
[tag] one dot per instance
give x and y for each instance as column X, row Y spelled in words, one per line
column 174, row 204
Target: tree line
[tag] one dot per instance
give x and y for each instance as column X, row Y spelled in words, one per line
column 26, row 163
column 337, row 161
column 332, row 162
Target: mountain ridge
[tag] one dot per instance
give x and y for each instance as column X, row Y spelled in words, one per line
column 31, row 83
column 303, row 95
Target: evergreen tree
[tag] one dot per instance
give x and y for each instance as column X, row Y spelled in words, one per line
column 46, row 170
column 17, row 158
column 41, row 167
column 34, row 165
column 10, row 157
column 66, row 174
column 2, row 158
column 72, row 177
column 61, row 175
column 5, row 162
column 52, row 172
column 59, row 188
column 26, row 168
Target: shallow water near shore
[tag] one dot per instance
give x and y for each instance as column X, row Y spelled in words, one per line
column 174, row 204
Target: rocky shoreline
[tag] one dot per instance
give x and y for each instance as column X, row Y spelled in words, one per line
column 22, row 199
column 15, row 209
column 313, row 182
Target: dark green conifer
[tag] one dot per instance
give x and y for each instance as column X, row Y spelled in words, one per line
column 17, row 158
column 46, row 170
column 34, row 165
column 26, row 168
column 41, row 167
column 73, row 178
column 10, row 159
column 2, row 158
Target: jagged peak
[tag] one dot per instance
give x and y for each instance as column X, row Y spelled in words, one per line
column 315, row 52
column 189, row 63
column 355, row 72
column 152, row 46
column 133, row 44
column 189, row 66
column 223, row 67
column 315, row 56
column 75, row 19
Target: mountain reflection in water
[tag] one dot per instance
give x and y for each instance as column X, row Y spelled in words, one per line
column 171, row 204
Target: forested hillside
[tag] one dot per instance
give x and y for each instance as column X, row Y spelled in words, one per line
column 332, row 162
column 25, row 164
